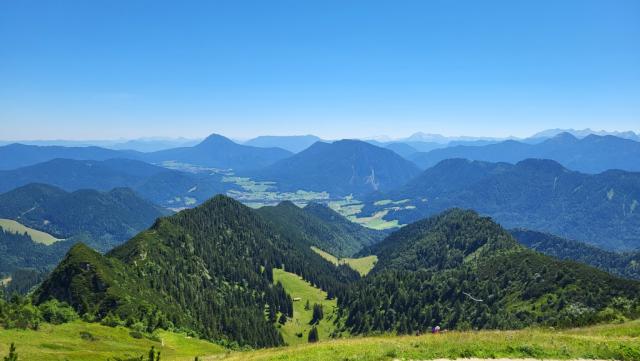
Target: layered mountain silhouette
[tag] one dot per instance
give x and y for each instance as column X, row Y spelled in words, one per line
column 601, row 209
column 102, row 219
column 341, row 168
column 163, row 186
column 217, row 151
column 14, row 156
column 591, row 154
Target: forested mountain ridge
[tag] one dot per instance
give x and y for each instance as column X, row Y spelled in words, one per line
column 622, row 264
column 166, row 187
column 321, row 227
column 206, row 269
column 102, row 219
column 459, row 270
column 340, row 168
column 601, row 209
column 591, row 154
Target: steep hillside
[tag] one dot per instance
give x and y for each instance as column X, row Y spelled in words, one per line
column 622, row 264
column 600, row 209
column 162, row 186
column 591, row 154
column 459, row 270
column 340, row 168
column 220, row 152
column 321, row 227
column 206, row 269
column 103, row 220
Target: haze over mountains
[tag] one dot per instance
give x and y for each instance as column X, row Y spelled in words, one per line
column 341, row 168
column 601, row 209
column 592, row 154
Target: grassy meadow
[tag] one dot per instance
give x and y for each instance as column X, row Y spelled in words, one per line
column 37, row 236
column 299, row 324
column 611, row 342
column 81, row 341
column 362, row 265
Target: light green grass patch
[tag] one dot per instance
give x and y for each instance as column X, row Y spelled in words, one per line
column 64, row 342
column 362, row 265
column 37, row 236
column 296, row 287
column 609, row 342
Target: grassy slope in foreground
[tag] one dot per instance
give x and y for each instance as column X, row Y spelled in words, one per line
column 296, row 287
column 64, row 342
column 362, row 265
column 615, row 342
column 37, row 236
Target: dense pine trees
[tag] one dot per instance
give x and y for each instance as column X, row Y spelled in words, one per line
column 459, row 270
column 208, row 270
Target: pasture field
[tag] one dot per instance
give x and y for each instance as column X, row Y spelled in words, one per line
column 362, row 265
column 296, row 287
column 37, row 236
column 82, row 341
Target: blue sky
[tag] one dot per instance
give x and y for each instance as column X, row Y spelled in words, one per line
column 109, row 69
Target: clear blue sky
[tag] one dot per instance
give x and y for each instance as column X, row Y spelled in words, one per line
column 108, row 69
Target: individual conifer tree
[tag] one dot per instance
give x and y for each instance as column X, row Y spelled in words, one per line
column 313, row 335
column 13, row 355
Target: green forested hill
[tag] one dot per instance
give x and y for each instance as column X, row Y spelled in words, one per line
column 459, row 270
column 621, row 264
column 601, row 209
column 206, row 269
column 321, row 227
column 103, row 219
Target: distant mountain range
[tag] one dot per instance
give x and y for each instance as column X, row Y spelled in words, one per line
column 292, row 143
column 601, row 209
column 341, row 168
column 215, row 151
column 592, row 154
column 621, row 264
column 103, row 220
column 219, row 152
column 458, row 270
column 165, row 187
column 581, row 133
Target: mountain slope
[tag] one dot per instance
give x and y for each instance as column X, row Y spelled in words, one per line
column 14, row 156
column 591, row 154
column 600, row 209
column 459, row 270
column 220, row 152
column 321, row 227
column 340, row 168
column 163, row 186
column 292, row 143
column 20, row 251
column 621, row 264
column 104, row 220
column 207, row 269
